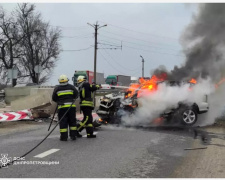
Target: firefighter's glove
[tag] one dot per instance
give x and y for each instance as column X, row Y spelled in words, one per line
column 99, row 86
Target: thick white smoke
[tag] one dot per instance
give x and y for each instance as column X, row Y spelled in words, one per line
column 216, row 107
column 167, row 97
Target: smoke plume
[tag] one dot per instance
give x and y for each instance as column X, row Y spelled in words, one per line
column 203, row 44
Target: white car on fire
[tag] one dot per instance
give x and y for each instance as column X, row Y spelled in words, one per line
column 186, row 113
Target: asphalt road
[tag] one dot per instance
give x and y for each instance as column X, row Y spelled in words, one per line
column 117, row 152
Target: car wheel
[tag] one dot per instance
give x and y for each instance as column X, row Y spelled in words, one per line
column 188, row 115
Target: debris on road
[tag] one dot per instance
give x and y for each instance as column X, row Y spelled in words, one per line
column 40, row 113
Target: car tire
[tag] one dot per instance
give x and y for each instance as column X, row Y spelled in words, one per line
column 187, row 115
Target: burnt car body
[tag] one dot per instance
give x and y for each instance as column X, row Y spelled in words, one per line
column 108, row 108
column 185, row 113
column 112, row 107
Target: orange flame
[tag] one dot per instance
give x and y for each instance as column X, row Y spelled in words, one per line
column 145, row 86
column 193, row 81
column 100, row 119
column 130, row 92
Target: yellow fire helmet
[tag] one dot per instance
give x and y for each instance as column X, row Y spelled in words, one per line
column 81, row 79
column 63, row 78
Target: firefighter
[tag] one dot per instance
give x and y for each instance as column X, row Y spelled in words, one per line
column 64, row 95
column 87, row 105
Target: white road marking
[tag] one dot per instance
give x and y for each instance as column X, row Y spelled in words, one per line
column 46, row 153
column 93, row 133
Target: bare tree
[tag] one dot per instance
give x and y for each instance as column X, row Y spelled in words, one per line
column 10, row 50
column 40, row 44
column 26, row 41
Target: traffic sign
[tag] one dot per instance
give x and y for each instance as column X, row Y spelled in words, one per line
column 12, row 73
column 38, row 69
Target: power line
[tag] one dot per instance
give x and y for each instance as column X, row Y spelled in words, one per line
column 131, row 37
column 72, row 27
column 148, row 45
column 108, row 42
column 132, row 42
column 138, row 71
column 81, row 35
column 110, row 63
column 79, row 49
column 110, row 48
column 85, row 37
column 119, row 63
column 155, row 35
column 110, row 45
column 153, row 51
column 145, row 49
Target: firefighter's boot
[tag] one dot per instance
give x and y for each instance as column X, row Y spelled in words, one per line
column 91, row 136
column 79, row 135
column 63, row 136
column 73, row 134
column 73, row 138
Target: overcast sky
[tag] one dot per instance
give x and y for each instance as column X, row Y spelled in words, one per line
column 151, row 30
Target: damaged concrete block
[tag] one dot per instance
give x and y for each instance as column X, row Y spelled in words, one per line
column 40, row 113
column 39, row 100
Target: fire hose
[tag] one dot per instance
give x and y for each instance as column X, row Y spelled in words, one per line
column 10, row 163
column 53, row 117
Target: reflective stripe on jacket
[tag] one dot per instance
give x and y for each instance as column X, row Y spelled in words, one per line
column 86, row 94
column 66, row 105
column 64, row 95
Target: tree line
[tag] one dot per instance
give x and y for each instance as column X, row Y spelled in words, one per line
column 26, row 40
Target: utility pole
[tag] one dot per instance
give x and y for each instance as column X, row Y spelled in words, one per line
column 96, row 27
column 142, row 66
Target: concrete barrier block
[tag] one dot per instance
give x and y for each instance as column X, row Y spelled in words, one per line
column 39, row 100
column 14, row 93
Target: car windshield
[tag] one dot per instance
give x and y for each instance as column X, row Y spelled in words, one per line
column 110, row 81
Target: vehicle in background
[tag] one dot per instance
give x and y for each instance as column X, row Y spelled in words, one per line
column 105, row 86
column 118, row 84
column 145, row 78
column 134, row 79
column 118, row 80
column 89, row 76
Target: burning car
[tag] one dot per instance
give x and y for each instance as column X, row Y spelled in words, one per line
column 185, row 112
column 109, row 106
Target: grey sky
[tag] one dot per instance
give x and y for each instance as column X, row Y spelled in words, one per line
column 148, row 29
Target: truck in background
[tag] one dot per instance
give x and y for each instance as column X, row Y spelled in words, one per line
column 118, row 80
column 90, row 77
column 134, row 79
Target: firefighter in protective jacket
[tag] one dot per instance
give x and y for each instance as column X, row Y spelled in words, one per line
column 64, row 95
column 87, row 105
